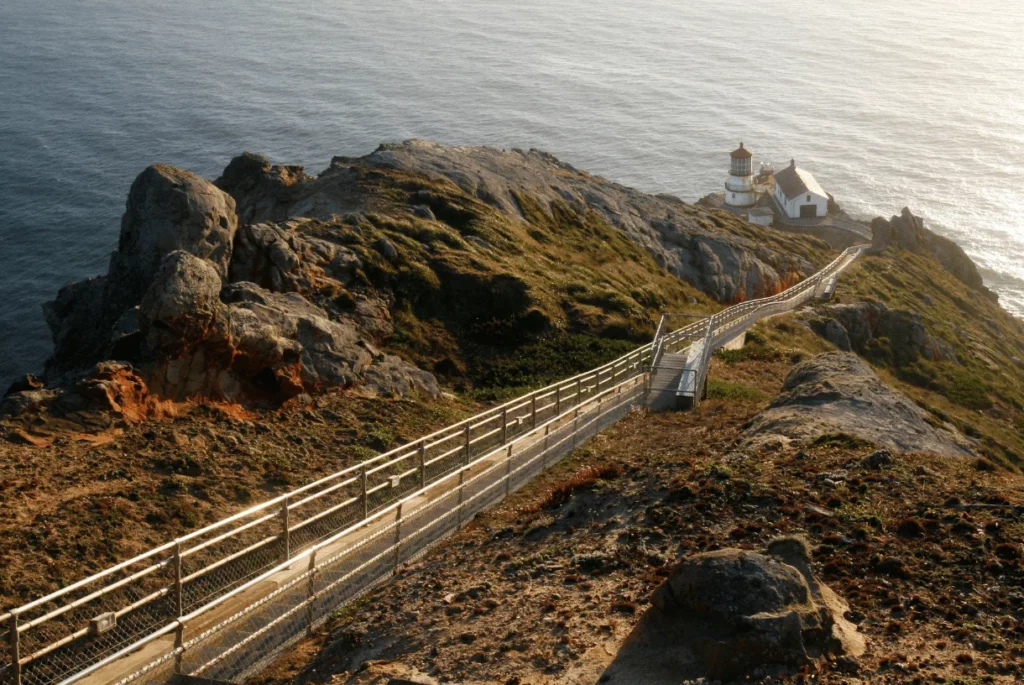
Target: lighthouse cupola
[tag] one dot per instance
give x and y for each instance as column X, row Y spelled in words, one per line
column 739, row 189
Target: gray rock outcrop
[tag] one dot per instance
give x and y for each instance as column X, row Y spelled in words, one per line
column 838, row 393
column 200, row 307
column 732, row 614
column 168, row 209
column 244, row 341
column 907, row 232
column 855, row 326
column 171, row 209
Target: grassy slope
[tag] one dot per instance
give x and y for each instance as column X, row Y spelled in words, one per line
column 984, row 395
column 75, row 508
column 542, row 298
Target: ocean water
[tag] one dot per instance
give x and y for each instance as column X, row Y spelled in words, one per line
column 916, row 103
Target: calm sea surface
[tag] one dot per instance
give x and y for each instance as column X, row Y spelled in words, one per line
column 918, row 103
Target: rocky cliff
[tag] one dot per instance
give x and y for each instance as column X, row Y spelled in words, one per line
column 270, row 282
column 907, row 232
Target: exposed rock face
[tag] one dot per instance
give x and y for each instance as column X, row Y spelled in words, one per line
column 279, row 257
column 171, row 209
column 907, row 232
column 855, row 326
column 168, row 209
column 732, row 613
column 685, row 239
column 200, row 307
column 839, row 393
column 246, row 341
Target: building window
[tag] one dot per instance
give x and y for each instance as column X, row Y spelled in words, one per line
column 808, row 198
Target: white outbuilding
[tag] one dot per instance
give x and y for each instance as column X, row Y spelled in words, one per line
column 798, row 194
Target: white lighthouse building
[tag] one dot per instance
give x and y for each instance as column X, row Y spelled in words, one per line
column 739, row 189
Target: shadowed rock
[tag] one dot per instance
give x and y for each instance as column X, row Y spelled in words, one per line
column 733, row 613
column 854, row 326
column 907, row 232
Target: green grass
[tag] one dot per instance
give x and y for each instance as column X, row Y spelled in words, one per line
column 756, row 348
column 841, row 440
column 729, row 390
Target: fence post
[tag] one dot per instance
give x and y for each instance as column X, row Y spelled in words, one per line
column 558, row 401
column 179, row 608
column 469, row 427
column 179, row 594
column 366, row 498
column 504, row 425
column 575, row 426
column 533, row 412
column 547, row 430
column 579, row 391
column 508, row 471
column 286, row 531
column 398, row 536
column 179, row 646
column 462, row 479
column 310, row 591
column 15, row 644
column 423, row 464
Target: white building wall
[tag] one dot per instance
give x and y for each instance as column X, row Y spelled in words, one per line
column 792, row 207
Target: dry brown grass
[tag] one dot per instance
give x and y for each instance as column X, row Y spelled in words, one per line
column 583, row 479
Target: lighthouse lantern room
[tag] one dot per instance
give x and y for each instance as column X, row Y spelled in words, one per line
column 739, row 189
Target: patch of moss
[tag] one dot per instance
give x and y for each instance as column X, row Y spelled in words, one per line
column 841, row 440
column 728, row 390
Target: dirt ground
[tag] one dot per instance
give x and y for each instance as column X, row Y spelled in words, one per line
column 77, row 507
column 543, row 588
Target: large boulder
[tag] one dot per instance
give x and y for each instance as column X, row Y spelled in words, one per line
column 171, row 209
column 245, row 341
column 181, row 305
column 837, row 393
column 168, row 210
column 907, row 232
column 732, row 614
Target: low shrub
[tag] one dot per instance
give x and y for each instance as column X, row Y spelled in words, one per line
column 583, row 479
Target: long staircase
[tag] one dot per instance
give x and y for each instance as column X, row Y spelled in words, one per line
column 225, row 600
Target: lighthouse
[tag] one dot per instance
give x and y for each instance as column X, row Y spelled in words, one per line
column 739, row 189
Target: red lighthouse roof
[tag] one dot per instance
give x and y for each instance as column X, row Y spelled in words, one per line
column 741, row 153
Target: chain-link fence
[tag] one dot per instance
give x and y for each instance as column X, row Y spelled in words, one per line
column 218, row 600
